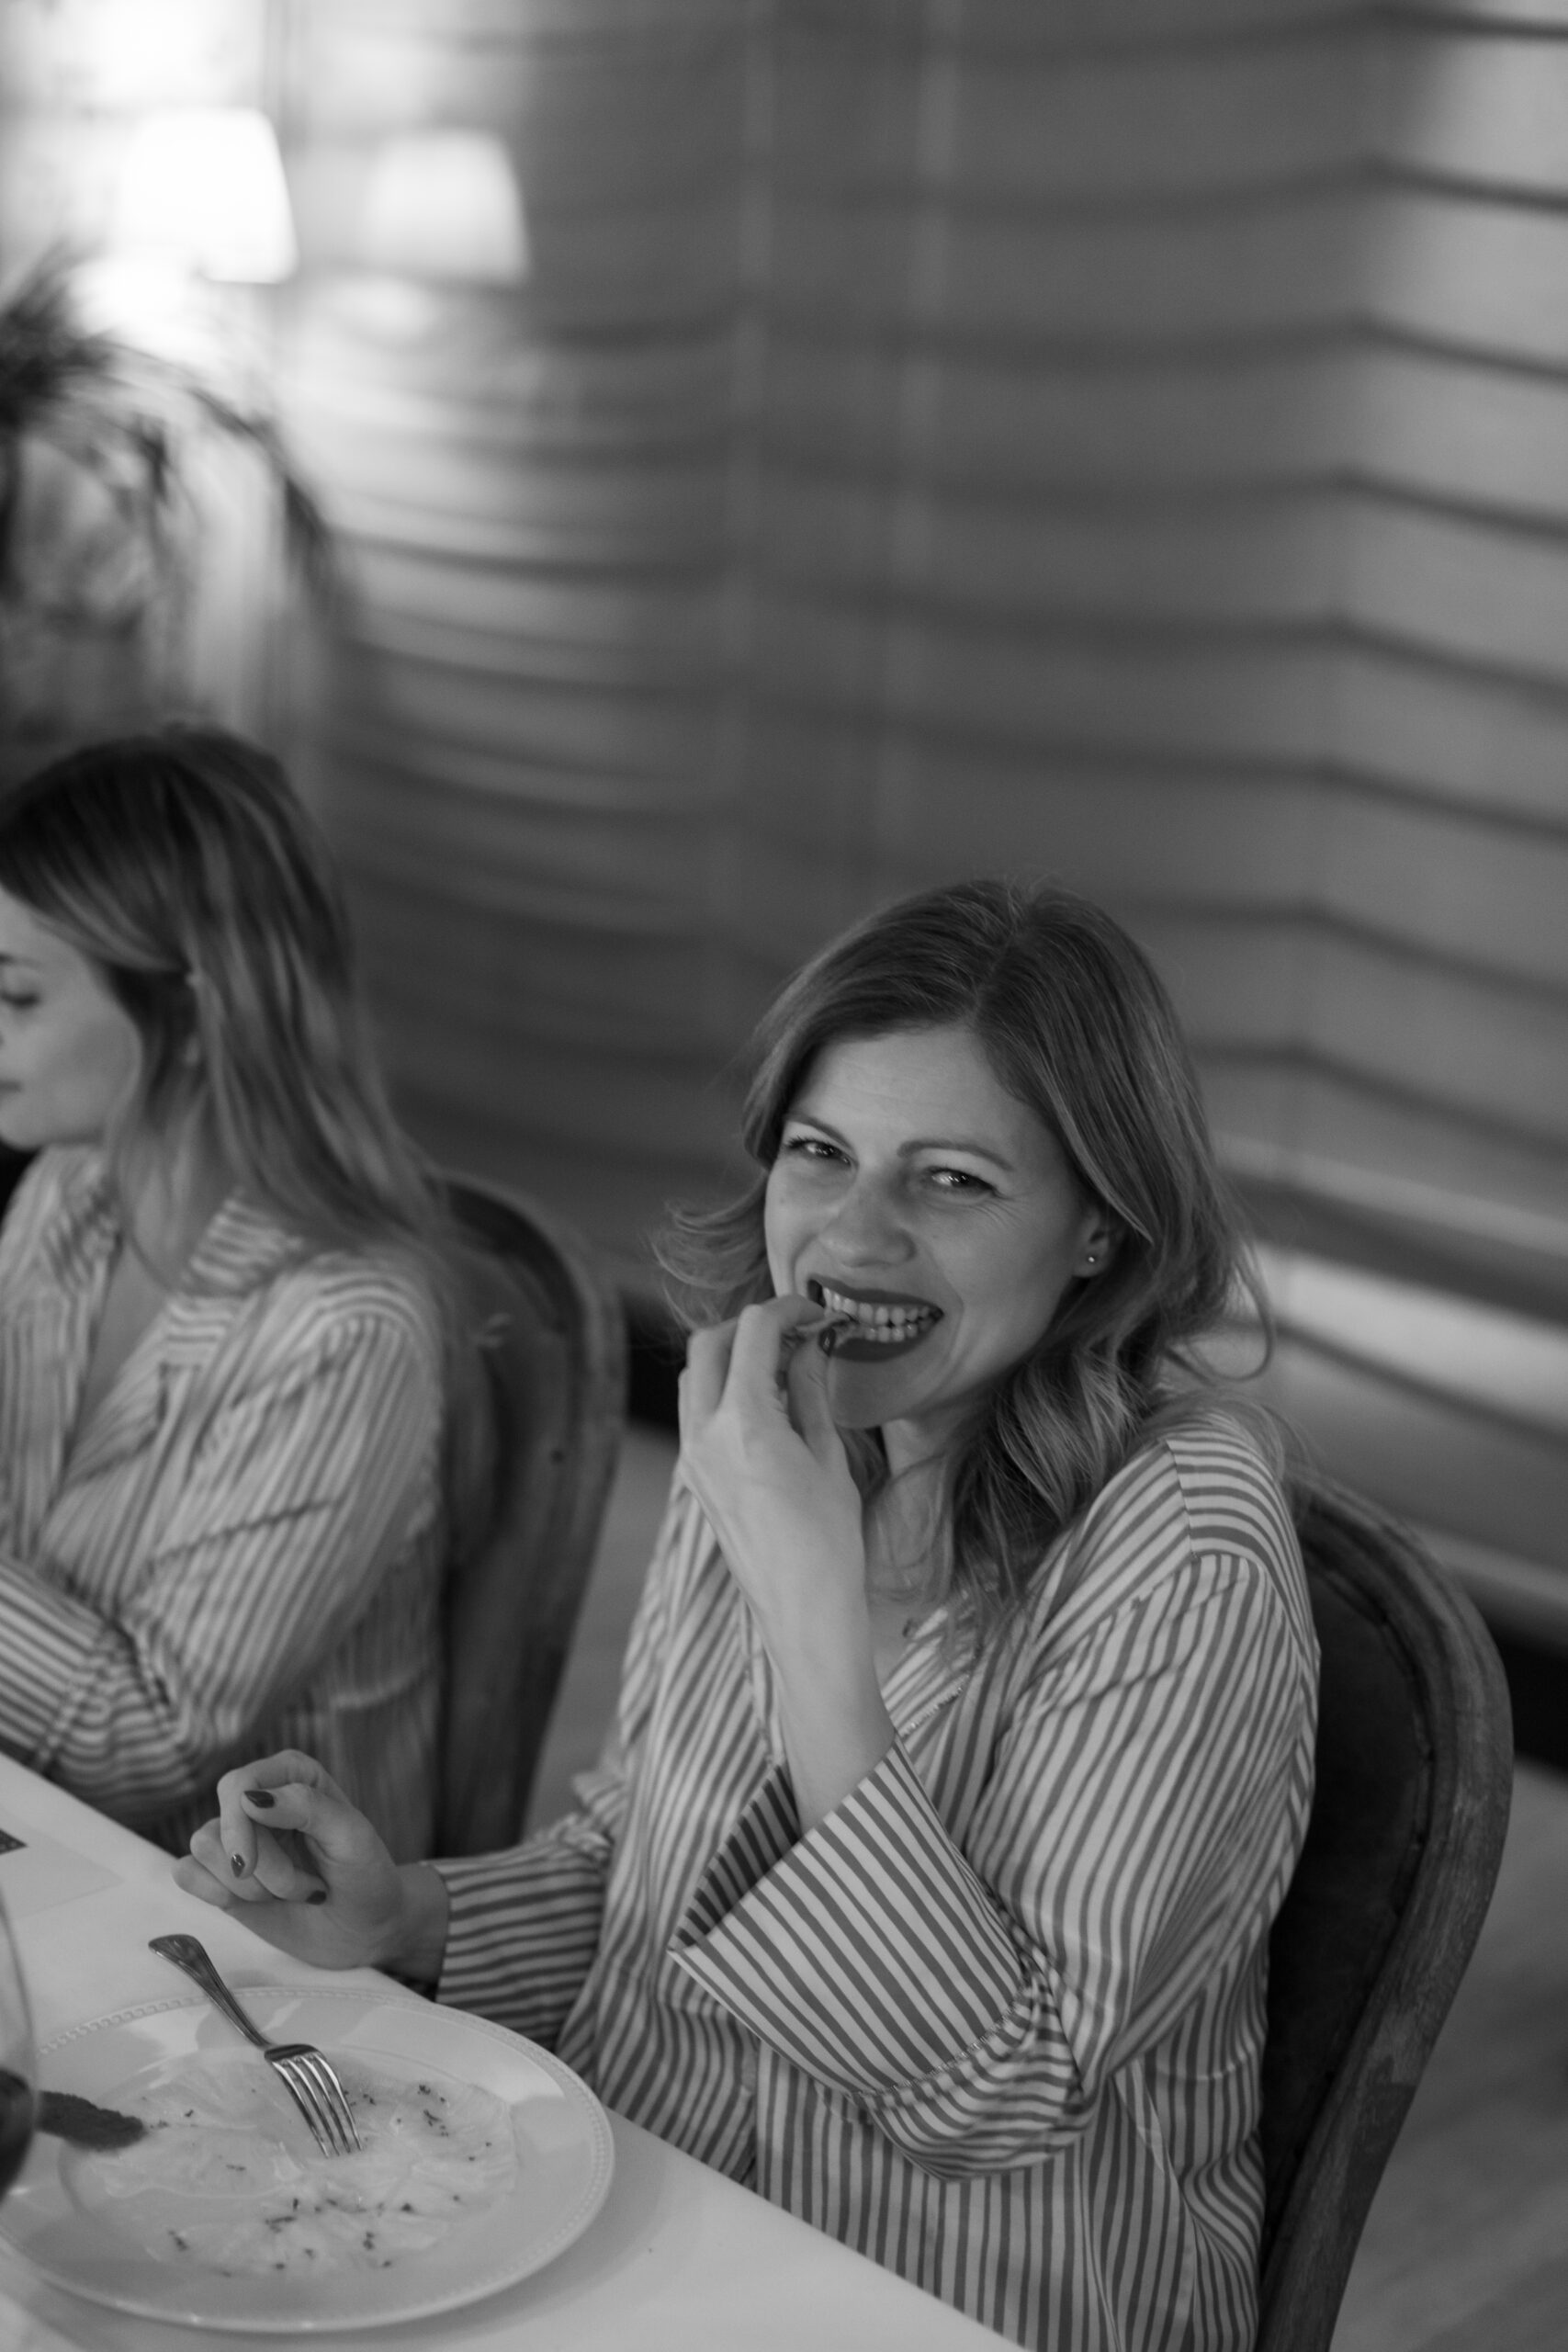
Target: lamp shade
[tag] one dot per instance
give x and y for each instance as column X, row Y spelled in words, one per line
column 206, row 183
column 444, row 203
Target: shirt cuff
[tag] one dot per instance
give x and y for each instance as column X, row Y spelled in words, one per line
column 476, row 1893
column 522, row 1930
column 868, row 1952
column 764, row 1834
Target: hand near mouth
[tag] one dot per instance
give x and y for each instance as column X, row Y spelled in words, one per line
column 776, row 1487
column 826, row 1328
column 732, row 1432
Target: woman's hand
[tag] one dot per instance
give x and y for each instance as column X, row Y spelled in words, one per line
column 310, row 1873
column 759, row 1450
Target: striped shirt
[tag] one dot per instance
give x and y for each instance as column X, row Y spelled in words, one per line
column 243, row 1549
column 998, row 2020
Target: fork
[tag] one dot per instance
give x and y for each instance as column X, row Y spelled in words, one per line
column 310, row 2079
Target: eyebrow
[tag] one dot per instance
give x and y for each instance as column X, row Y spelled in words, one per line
column 920, row 1143
column 32, row 962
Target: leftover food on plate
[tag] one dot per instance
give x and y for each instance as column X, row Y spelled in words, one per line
column 226, row 2177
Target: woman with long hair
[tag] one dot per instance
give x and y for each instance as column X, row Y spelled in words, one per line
column 965, row 1747
column 231, row 1330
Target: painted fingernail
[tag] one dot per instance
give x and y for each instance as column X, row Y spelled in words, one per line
column 828, row 1339
column 238, row 1864
column 263, row 1797
column 319, row 1895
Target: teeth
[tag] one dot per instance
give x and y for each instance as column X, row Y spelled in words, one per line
column 884, row 1323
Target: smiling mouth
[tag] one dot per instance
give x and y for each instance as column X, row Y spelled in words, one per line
column 875, row 1330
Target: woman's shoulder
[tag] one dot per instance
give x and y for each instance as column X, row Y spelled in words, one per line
column 59, row 1194
column 305, row 1298
column 60, row 1172
column 1231, row 1482
column 1200, row 1503
column 1221, row 1470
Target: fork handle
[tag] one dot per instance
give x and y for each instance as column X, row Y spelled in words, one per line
column 187, row 1953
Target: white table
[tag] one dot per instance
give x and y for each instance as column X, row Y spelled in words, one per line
column 679, row 2259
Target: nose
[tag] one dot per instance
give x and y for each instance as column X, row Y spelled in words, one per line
column 867, row 1228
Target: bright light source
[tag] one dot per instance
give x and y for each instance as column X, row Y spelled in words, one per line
column 124, row 54
column 206, row 183
column 146, row 300
column 444, row 204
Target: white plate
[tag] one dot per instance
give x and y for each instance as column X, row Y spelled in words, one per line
column 564, row 2149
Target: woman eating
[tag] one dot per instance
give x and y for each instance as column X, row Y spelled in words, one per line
column 229, row 1329
column 966, row 1732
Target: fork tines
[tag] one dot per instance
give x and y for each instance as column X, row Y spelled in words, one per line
column 319, row 2096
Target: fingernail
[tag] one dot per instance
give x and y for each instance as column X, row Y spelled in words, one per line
column 828, row 1339
column 319, row 1895
column 263, row 1797
column 238, row 1864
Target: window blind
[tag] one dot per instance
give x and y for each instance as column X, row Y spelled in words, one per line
column 1127, row 442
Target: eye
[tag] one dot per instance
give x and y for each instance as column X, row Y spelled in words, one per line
column 957, row 1183
column 814, row 1149
column 19, row 999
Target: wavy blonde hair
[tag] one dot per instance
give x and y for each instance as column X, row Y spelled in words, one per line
column 1078, row 1027
column 182, row 865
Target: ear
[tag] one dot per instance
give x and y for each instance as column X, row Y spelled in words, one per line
column 1097, row 1245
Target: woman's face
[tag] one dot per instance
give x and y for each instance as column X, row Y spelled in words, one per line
column 913, row 1192
column 69, row 1053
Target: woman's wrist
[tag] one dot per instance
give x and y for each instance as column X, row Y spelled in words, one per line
column 835, row 1722
column 811, row 1621
column 418, row 1943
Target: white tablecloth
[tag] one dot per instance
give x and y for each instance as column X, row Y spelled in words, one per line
column 679, row 2260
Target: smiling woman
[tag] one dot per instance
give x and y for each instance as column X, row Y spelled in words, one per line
column 966, row 1738
column 915, row 1197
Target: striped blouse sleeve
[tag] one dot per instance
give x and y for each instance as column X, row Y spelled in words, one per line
column 296, row 1500
column 1142, row 1819
column 524, row 1924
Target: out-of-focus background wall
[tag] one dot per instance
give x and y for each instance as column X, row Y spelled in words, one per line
column 1126, row 440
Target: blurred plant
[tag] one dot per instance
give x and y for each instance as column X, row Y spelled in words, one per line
column 100, row 447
